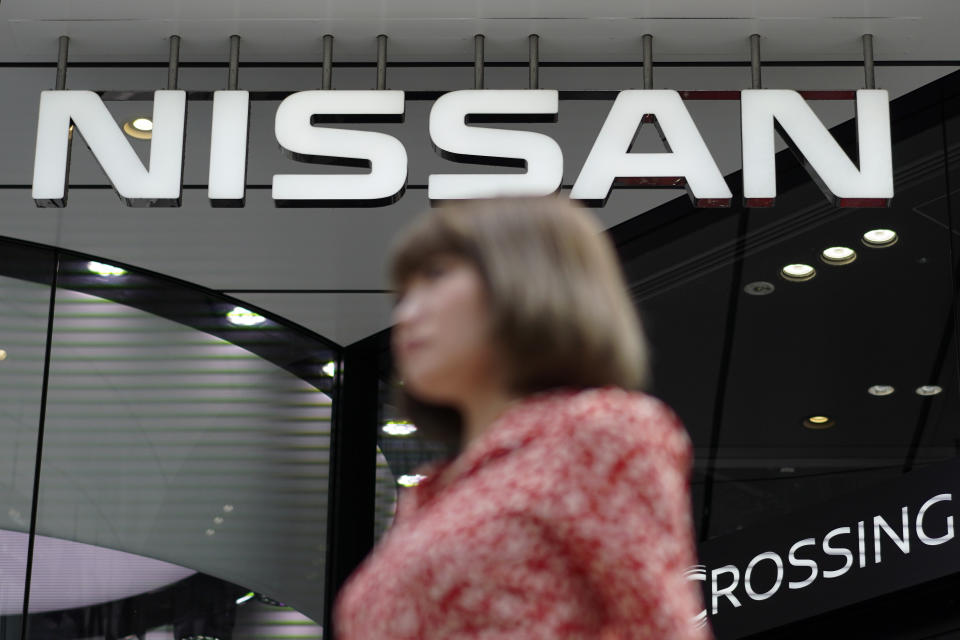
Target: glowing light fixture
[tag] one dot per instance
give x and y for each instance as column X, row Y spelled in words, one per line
column 330, row 368
column 105, row 270
column 244, row 317
column 245, row 598
column 929, row 390
column 879, row 238
column 399, row 428
column 139, row 128
column 838, row 255
column 227, row 508
column 818, row 422
column 217, row 520
column 210, row 532
column 3, row 354
column 880, row 390
column 410, row 480
column 798, row 272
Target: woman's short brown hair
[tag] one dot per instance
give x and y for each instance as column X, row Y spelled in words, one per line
column 561, row 315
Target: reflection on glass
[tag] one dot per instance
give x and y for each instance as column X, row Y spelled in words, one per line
column 24, row 308
column 190, row 471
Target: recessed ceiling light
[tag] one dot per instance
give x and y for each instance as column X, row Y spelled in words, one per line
column 330, row 368
column 411, row 480
column 760, row 288
column 210, row 532
column 3, row 354
column 798, row 272
column 227, row 508
column 244, row 317
column 879, row 238
column 838, row 255
column 139, row 128
column 880, row 390
column 217, row 520
column 818, row 422
column 105, row 270
column 399, row 428
column 929, row 390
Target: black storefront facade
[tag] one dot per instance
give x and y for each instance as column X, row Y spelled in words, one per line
column 245, row 458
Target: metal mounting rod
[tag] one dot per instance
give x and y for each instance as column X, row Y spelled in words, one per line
column 381, row 61
column 173, row 70
column 755, row 79
column 62, row 63
column 233, row 76
column 327, row 62
column 647, row 61
column 534, row 46
column 478, row 61
column 870, row 81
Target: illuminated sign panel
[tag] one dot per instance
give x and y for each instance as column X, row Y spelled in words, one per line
column 303, row 132
column 849, row 550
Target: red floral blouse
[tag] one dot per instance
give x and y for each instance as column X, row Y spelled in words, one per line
column 568, row 518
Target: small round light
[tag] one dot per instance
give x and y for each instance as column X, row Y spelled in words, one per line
column 330, row 369
column 759, row 288
column 838, row 255
column 798, row 272
column 210, row 532
column 218, row 520
column 929, row 390
column 879, row 238
column 880, row 390
column 818, row 422
column 410, row 480
column 3, row 354
column 227, row 508
column 139, row 128
column 105, row 270
column 398, row 428
column 244, row 317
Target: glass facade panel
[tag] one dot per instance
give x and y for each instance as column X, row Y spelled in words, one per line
column 24, row 312
column 183, row 482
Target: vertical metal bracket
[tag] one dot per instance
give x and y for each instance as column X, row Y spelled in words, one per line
column 327, row 62
column 381, row 61
column 62, row 63
column 647, row 61
column 870, row 81
column 478, row 61
column 173, row 69
column 534, row 46
column 233, row 75
column 756, row 81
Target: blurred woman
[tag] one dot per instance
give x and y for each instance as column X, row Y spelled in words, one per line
column 564, row 511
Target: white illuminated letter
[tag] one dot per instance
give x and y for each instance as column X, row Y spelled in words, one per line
column 834, row 551
column 137, row 186
column 802, row 562
column 226, row 186
column 870, row 185
column 454, row 139
column 902, row 542
column 924, row 538
column 766, row 555
column 383, row 154
column 727, row 590
column 688, row 162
